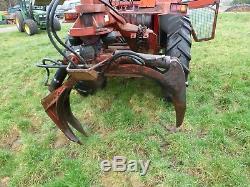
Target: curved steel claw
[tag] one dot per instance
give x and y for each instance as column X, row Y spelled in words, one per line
column 173, row 82
column 174, row 87
column 57, row 106
column 70, row 118
column 57, row 103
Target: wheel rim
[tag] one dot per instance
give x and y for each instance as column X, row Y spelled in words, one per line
column 27, row 29
column 17, row 23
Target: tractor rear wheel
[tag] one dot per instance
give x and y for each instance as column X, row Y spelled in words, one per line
column 30, row 27
column 178, row 41
column 19, row 21
column 57, row 25
column 86, row 88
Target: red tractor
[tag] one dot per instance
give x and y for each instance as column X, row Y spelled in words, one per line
column 146, row 38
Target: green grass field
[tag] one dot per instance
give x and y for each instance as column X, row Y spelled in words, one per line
column 130, row 118
column 6, row 26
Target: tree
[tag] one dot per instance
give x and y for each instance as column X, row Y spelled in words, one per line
column 241, row 1
column 4, row 4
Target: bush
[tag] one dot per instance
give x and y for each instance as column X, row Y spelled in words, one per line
column 241, row 1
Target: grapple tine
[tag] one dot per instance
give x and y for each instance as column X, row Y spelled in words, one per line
column 173, row 81
column 60, row 109
column 73, row 121
column 53, row 105
column 175, row 87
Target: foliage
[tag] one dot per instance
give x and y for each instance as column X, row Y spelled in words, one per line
column 241, row 1
column 4, row 4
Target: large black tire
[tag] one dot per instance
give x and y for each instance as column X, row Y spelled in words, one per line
column 178, row 39
column 19, row 21
column 57, row 24
column 86, row 88
column 30, row 27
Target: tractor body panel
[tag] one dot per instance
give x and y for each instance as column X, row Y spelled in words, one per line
column 203, row 15
column 40, row 18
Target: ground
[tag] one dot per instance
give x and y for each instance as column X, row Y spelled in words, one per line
column 7, row 28
column 130, row 118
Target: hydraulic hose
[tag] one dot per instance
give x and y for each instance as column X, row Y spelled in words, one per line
column 48, row 28
column 61, row 73
column 110, row 6
column 51, row 17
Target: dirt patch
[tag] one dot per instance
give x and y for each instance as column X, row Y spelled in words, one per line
column 36, row 122
column 141, row 151
column 8, row 29
column 135, row 181
column 202, row 133
column 61, row 141
column 239, row 8
column 113, row 179
column 197, row 172
column 12, row 140
column 4, row 182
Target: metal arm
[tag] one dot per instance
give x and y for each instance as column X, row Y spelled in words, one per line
column 202, row 3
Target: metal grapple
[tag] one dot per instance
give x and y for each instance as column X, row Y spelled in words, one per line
column 147, row 38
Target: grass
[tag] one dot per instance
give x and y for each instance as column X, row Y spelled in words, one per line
column 6, row 26
column 129, row 118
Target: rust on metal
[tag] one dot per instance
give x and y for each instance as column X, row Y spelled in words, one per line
column 57, row 106
column 173, row 82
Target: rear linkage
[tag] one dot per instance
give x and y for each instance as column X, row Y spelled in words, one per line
column 166, row 70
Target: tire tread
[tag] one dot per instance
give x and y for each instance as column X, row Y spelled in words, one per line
column 179, row 42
